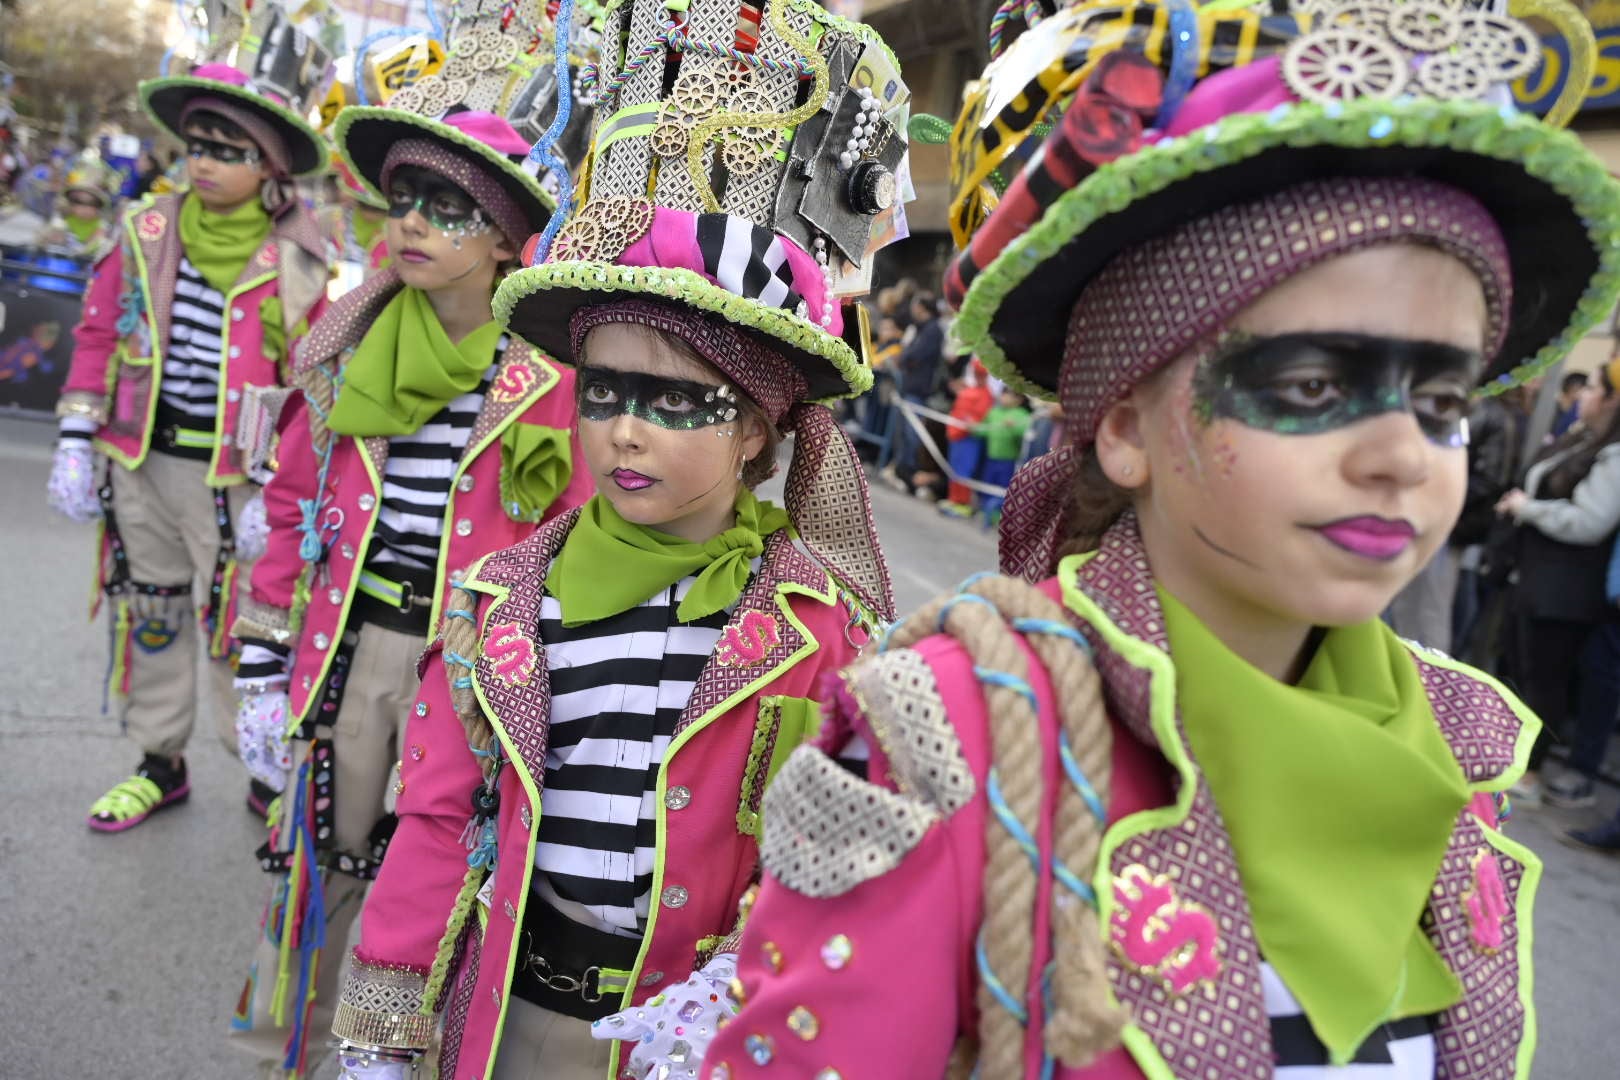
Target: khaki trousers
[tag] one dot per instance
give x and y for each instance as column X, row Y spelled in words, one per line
column 538, row 1044
column 366, row 740
column 165, row 516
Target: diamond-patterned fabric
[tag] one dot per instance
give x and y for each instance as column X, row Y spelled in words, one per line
column 907, row 714
column 381, row 1006
column 830, row 505
column 1221, row 1031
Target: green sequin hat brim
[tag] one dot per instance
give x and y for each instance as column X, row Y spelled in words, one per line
column 1557, row 207
column 165, row 99
column 363, row 135
column 537, row 303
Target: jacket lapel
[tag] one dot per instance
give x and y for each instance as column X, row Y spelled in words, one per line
column 761, row 640
column 155, row 230
column 523, row 377
column 510, row 670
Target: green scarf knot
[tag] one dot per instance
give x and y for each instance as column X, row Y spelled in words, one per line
column 536, row 463
column 1340, row 795
column 406, row 369
column 220, row 245
column 609, row 565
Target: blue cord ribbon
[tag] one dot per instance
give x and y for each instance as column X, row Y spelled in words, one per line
column 1184, row 50
column 541, row 153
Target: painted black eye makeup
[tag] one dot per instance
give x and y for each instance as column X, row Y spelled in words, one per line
column 1307, row 384
column 445, row 206
column 673, row 404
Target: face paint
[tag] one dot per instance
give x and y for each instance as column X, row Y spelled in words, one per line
column 1307, row 384
column 222, row 152
column 673, row 404
column 444, row 205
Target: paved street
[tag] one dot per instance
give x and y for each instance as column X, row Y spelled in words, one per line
column 123, row 955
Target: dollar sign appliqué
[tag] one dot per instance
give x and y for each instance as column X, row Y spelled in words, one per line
column 748, row 643
column 510, row 653
column 1486, row 904
column 1161, row 935
column 513, row 382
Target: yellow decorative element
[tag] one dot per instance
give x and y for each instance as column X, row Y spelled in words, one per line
column 707, row 129
column 1577, row 32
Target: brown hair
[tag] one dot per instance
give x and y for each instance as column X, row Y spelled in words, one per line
column 1094, row 506
column 758, row 469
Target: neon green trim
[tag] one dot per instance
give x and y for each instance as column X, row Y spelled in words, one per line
column 628, row 121
column 687, row 287
column 1524, row 909
column 1556, row 158
column 1143, row 1051
column 217, row 460
column 192, row 438
column 549, row 378
column 378, row 587
column 137, row 795
column 1529, row 723
column 121, row 354
column 769, row 716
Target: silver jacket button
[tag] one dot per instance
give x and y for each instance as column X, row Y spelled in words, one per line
column 464, row 527
column 675, row 896
column 678, row 797
column 367, row 501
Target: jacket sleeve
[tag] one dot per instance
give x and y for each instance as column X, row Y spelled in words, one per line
column 95, row 340
column 266, row 610
column 856, row 955
column 411, row 902
column 1592, row 511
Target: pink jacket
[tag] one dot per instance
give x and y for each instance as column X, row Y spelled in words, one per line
column 752, row 703
column 859, row 954
column 119, row 347
column 527, row 389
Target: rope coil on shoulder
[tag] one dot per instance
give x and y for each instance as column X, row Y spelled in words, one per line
column 990, row 616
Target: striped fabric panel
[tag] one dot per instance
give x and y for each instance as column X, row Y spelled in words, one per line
column 618, row 686
column 191, row 370
column 416, row 483
column 1400, row 1050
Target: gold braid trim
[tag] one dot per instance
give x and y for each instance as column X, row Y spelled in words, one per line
column 263, row 621
column 82, row 403
column 1084, row 1021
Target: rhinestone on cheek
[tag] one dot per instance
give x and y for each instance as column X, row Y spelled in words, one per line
column 836, row 953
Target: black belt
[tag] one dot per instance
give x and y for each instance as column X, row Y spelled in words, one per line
column 175, row 434
column 571, row 969
column 412, row 614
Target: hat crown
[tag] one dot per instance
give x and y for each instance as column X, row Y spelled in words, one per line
column 264, row 51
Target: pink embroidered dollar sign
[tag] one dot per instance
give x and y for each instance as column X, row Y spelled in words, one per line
column 1486, row 903
column 1159, row 934
column 511, row 654
column 748, row 644
column 513, row 383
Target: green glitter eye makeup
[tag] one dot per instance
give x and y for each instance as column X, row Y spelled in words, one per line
column 1307, row 384
column 444, row 205
column 674, row 404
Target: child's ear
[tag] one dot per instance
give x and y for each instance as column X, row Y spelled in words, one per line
column 1121, row 449
column 503, row 251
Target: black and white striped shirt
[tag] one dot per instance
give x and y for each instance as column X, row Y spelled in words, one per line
column 416, row 483
column 618, row 687
column 190, row 386
column 1399, row 1050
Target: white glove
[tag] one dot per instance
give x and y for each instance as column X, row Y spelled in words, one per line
column 252, row 529
column 677, row 1030
column 261, row 737
column 354, row 1067
column 71, row 490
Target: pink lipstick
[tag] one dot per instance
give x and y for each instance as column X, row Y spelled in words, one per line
column 1370, row 537
column 630, row 480
column 413, row 255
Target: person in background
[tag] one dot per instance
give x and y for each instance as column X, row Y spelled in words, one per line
column 889, row 339
column 1003, row 434
column 81, row 226
column 1604, row 837
column 1569, row 403
column 917, row 371
column 1568, row 512
column 974, row 400
column 195, row 307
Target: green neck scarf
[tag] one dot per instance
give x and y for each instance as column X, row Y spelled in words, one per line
column 83, row 228
column 609, row 565
column 406, row 369
column 219, row 245
column 1340, row 795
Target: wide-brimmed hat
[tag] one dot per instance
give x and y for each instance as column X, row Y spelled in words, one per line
column 483, row 155
column 728, row 191
column 166, row 100
column 1356, row 89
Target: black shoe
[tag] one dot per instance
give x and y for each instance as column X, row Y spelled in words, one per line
column 1604, row 838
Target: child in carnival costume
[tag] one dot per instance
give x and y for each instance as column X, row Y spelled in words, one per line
column 608, row 700
column 187, row 322
column 1187, row 808
column 424, row 438
column 81, row 225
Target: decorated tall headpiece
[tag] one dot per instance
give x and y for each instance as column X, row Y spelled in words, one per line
column 745, row 165
column 261, row 68
column 1112, row 131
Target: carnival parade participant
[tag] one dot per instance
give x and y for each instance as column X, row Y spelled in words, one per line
column 425, row 438
column 82, row 227
column 186, row 320
column 1187, row 808
column 610, row 698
